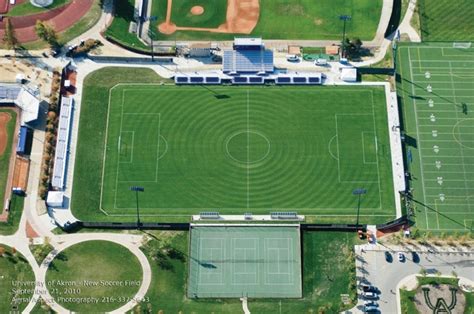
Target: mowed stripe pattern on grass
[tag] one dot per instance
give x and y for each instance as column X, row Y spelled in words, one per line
column 447, row 20
column 247, row 149
column 437, row 89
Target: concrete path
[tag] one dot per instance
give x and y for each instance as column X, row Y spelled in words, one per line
column 131, row 242
column 405, row 26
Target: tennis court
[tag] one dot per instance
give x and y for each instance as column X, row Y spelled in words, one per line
column 255, row 261
column 437, row 88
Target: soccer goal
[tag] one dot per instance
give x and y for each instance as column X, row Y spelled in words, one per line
column 462, row 45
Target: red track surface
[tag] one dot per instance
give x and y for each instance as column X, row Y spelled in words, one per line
column 61, row 19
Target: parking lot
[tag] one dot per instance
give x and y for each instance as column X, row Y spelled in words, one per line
column 373, row 269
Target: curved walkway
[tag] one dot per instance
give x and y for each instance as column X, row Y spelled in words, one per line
column 131, row 242
column 406, row 27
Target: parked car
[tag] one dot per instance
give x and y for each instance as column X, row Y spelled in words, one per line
column 415, row 257
column 371, row 309
column 292, row 58
column 369, row 289
column 321, row 62
column 401, row 257
column 371, row 304
column 370, row 295
column 388, row 257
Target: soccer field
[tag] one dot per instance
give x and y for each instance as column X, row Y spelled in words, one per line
column 437, row 89
column 247, row 149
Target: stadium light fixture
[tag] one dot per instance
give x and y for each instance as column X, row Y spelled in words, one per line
column 137, row 189
column 151, row 34
column 358, row 192
column 344, row 18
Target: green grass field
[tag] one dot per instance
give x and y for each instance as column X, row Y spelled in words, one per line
column 100, row 263
column 325, row 277
column 436, row 88
column 16, row 281
column 26, row 8
column 14, row 216
column 282, row 19
column 446, row 20
column 5, row 157
column 232, row 150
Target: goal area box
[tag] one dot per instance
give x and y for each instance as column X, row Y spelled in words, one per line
column 245, row 261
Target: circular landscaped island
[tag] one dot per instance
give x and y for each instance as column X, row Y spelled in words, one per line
column 17, row 281
column 94, row 276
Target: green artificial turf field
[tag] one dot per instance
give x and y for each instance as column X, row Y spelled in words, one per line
column 282, row 19
column 447, row 20
column 437, row 90
column 234, row 150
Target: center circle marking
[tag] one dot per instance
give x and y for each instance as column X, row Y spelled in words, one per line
column 247, row 147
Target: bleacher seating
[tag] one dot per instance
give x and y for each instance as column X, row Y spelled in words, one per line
column 248, row 61
column 209, row 215
column 284, row 215
column 62, row 143
column 9, row 92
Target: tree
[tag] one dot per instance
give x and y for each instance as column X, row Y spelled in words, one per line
column 47, row 33
column 9, row 37
column 2, row 251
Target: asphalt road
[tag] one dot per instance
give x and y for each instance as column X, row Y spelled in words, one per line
column 373, row 269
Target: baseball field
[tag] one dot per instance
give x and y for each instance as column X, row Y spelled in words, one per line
column 234, row 150
column 283, row 19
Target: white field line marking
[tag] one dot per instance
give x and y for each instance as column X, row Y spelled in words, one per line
column 338, row 156
column 133, row 143
column 118, row 163
column 461, row 148
column 248, row 148
column 418, row 136
column 376, row 149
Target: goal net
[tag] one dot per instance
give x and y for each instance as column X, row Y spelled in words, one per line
column 463, row 45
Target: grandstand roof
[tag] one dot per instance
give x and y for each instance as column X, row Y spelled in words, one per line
column 23, row 98
column 248, row 61
column 60, row 159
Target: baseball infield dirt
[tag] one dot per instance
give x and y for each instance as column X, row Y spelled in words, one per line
column 241, row 18
column 5, row 117
column 197, row 10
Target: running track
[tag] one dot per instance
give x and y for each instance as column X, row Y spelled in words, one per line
column 61, row 18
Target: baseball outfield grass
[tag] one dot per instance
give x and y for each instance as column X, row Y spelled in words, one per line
column 231, row 149
column 294, row 19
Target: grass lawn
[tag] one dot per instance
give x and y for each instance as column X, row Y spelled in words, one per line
column 407, row 297
column 16, row 209
column 325, row 277
column 301, row 143
column 96, row 94
column 118, row 30
column 434, row 84
column 446, row 20
column 26, row 8
column 295, row 19
column 5, row 157
column 100, row 263
column 16, row 281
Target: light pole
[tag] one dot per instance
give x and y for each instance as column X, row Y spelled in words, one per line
column 151, row 34
column 137, row 189
column 358, row 192
column 344, row 18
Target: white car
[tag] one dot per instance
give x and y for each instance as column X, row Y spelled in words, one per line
column 401, row 257
column 370, row 295
column 292, row 58
column 321, row 62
